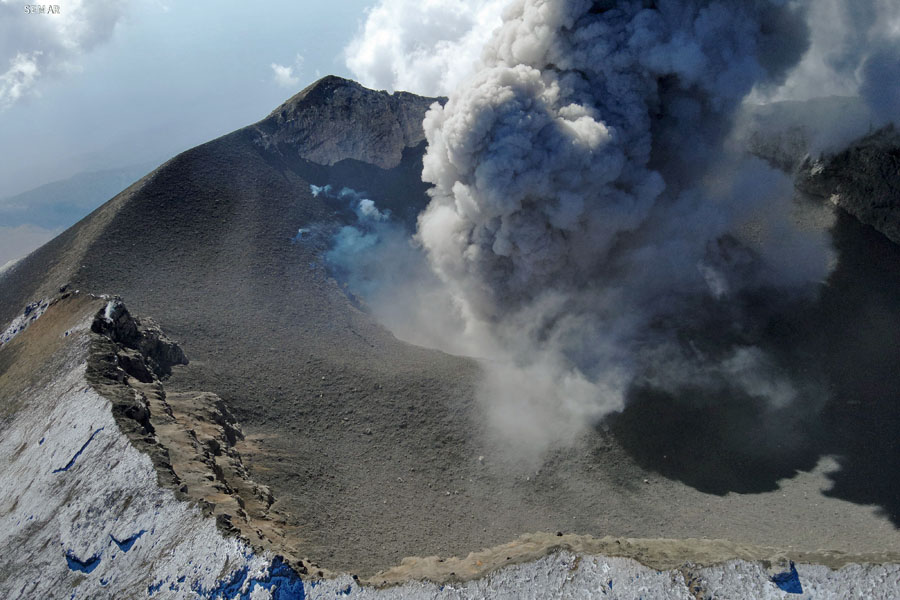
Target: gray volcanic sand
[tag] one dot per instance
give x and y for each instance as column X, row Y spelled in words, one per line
column 373, row 445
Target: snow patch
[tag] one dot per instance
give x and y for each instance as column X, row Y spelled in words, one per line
column 78, row 533
column 110, row 309
column 31, row 314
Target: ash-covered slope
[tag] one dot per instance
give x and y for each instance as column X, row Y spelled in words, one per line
column 373, row 448
column 254, row 180
column 204, row 245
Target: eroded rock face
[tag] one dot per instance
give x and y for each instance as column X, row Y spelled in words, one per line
column 82, row 514
column 190, row 436
column 146, row 351
column 336, row 119
column 864, row 180
column 784, row 133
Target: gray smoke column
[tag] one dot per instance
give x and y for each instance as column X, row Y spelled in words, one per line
column 854, row 51
column 587, row 220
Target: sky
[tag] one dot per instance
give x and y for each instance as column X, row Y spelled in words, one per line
column 159, row 78
column 109, row 84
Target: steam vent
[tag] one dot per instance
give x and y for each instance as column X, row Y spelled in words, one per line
column 588, row 327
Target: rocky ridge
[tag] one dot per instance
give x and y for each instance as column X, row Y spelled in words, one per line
column 191, row 437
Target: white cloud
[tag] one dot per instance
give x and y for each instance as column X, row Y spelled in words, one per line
column 284, row 76
column 15, row 82
column 34, row 46
column 422, row 46
column 288, row 76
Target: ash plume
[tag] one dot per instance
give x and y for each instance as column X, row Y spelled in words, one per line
column 854, row 51
column 844, row 87
column 593, row 231
column 587, row 219
column 428, row 47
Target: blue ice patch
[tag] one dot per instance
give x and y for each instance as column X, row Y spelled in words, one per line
column 789, row 581
column 71, row 463
column 282, row 583
column 125, row 545
column 83, row 566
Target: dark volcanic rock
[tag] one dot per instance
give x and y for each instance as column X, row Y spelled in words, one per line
column 146, row 348
column 864, row 180
column 785, row 133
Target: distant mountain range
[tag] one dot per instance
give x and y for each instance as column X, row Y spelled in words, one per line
column 63, row 203
column 31, row 218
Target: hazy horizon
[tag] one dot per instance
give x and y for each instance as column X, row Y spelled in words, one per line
column 105, row 86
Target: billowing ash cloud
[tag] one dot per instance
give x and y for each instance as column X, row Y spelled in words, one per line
column 843, row 88
column 855, row 50
column 593, row 229
column 40, row 44
column 427, row 47
column 587, row 221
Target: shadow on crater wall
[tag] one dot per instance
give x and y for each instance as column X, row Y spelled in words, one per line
column 850, row 342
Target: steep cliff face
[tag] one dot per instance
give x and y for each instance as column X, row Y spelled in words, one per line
column 863, row 179
column 322, row 124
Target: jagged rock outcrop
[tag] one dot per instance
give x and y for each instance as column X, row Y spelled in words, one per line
column 864, row 180
column 83, row 513
column 336, row 119
column 145, row 349
column 191, row 437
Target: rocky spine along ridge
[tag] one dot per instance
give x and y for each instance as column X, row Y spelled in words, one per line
column 191, row 437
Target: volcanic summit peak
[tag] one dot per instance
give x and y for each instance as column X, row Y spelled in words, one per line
column 335, row 119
